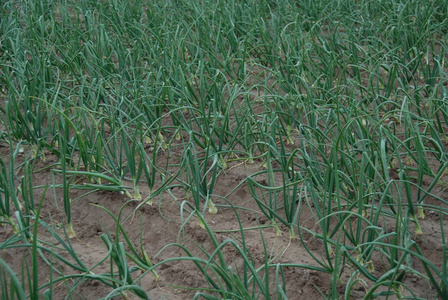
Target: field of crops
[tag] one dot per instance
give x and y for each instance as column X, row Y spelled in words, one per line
column 225, row 149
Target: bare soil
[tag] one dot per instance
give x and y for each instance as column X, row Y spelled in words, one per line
column 161, row 224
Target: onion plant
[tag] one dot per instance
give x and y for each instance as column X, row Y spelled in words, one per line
column 65, row 154
column 130, row 148
column 200, row 178
column 273, row 198
column 9, row 202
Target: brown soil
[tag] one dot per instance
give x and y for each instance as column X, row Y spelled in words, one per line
column 159, row 225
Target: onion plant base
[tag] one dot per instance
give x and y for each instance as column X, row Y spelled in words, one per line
column 70, row 231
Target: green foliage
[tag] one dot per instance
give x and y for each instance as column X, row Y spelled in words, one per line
column 342, row 102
